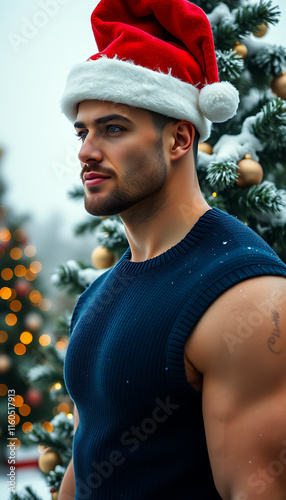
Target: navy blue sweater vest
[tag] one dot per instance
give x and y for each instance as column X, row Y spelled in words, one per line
column 141, row 434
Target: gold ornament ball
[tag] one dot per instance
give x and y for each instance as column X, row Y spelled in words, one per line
column 278, row 86
column 205, row 148
column 250, row 172
column 261, row 30
column 102, row 258
column 55, row 495
column 49, row 460
column 240, row 49
column 5, row 363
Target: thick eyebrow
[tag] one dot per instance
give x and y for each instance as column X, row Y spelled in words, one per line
column 104, row 119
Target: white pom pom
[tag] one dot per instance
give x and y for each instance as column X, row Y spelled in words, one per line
column 219, row 101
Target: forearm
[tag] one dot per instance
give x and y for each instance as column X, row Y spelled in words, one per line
column 67, row 489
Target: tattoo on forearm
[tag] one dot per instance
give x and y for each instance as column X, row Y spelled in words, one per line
column 276, row 334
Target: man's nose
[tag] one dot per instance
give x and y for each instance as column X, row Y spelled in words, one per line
column 90, row 152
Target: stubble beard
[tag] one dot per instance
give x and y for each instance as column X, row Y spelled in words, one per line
column 144, row 178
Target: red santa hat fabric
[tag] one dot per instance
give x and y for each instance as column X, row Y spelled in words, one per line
column 157, row 55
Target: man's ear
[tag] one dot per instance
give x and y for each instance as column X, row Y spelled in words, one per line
column 183, row 138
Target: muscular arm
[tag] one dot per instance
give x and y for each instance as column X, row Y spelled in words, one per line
column 67, row 489
column 240, row 348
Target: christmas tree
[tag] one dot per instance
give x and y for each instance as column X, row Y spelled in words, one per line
column 23, row 331
column 241, row 168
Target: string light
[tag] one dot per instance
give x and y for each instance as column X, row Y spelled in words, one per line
column 5, row 234
column 16, row 306
column 7, row 274
column 214, row 194
column 25, row 410
column 20, row 271
column 3, row 389
column 20, row 349
column 58, row 386
column 18, row 401
column 44, row 340
column 70, row 415
column 27, row 427
column 16, row 253
column 30, row 251
column 11, row 319
column 48, row 426
column 3, row 336
column 5, row 293
column 26, row 337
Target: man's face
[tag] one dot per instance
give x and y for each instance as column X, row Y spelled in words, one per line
column 122, row 157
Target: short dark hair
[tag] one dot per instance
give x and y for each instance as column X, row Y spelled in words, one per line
column 161, row 121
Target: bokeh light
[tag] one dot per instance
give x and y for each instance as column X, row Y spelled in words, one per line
column 25, row 410
column 20, row 349
column 26, row 337
column 5, row 293
column 7, row 274
column 3, row 336
column 45, row 340
column 16, row 306
column 30, row 251
column 48, row 426
column 20, row 271
column 11, row 319
column 16, row 253
column 5, row 234
column 3, row 389
column 18, row 401
column 27, row 427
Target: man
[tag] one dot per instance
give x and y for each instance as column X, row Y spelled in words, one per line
column 176, row 361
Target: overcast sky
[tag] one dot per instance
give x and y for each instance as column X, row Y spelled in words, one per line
column 40, row 40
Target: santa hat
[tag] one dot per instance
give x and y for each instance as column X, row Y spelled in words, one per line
column 157, row 55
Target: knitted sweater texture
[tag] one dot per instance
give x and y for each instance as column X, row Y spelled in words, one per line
column 141, row 434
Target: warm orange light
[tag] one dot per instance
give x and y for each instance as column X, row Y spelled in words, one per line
column 48, row 426
column 30, row 276
column 16, row 253
column 64, row 407
column 26, row 338
column 27, row 427
column 35, row 297
column 15, row 442
column 30, row 251
column 58, row 386
column 214, row 195
column 45, row 340
column 70, row 415
column 36, row 266
column 19, row 235
column 11, row 319
column 3, row 389
column 18, row 401
column 7, row 274
column 13, row 419
column 24, row 410
column 20, row 271
column 3, row 336
column 5, row 234
column 16, row 305
column 14, row 294
column 45, row 305
column 20, row 349
column 60, row 345
column 5, row 293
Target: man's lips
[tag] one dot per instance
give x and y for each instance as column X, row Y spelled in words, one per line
column 94, row 178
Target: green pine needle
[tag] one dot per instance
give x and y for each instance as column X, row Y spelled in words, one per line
column 230, row 65
column 222, row 175
column 270, row 124
column 263, row 198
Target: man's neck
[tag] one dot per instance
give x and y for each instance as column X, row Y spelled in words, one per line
column 152, row 229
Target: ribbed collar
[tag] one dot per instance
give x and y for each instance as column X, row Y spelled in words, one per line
column 125, row 267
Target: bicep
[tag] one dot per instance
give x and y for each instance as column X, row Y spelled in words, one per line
column 244, row 397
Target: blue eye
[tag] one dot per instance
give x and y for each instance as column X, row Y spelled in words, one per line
column 81, row 136
column 113, row 129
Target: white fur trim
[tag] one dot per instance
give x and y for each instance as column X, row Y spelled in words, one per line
column 219, row 101
column 124, row 82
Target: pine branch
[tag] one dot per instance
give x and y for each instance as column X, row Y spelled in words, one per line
column 88, row 226
column 222, row 175
column 67, row 276
column 249, row 17
column 230, row 65
column 270, row 124
column 111, row 235
column 271, row 60
column 76, row 193
column 28, row 495
column 264, row 198
column 55, row 477
column 244, row 21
